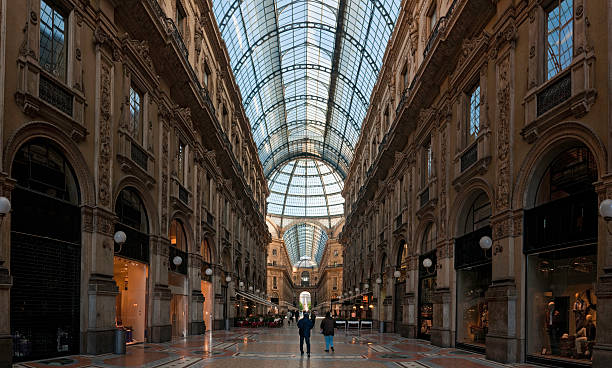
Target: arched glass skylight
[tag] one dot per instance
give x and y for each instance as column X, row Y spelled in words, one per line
column 305, row 242
column 306, row 70
column 305, row 187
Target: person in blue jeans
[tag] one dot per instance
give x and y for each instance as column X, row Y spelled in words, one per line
column 305, row 325
column 327, row 329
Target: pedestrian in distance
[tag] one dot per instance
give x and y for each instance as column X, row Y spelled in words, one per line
column 289, row 317
column 304, row 326
column 327, row 329
column 313, row 317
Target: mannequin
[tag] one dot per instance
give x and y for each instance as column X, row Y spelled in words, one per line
column 579, row 312
column 552, row 327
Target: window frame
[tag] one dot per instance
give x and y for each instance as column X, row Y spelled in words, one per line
column 56, row 7
column 137, row 130
column 472, row 136
column 547, row 8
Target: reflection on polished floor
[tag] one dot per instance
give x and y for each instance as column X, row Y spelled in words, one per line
column 256, row 348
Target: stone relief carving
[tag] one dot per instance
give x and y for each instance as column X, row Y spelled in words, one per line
column 164, row 187
column 104, row 154
column 503, row 133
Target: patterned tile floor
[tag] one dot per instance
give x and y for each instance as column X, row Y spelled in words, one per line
column 255, row 348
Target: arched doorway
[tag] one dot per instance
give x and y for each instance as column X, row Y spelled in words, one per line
column 427, row 281
column 131, row 265
column 177, row 279
column 473, row 265
column 400, row 285
column 560, row 244
column 45, row 253
column 305, row 301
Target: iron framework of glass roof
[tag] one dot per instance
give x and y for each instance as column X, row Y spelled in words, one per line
column 303, row 241
column 306, row 69
column 305, row 187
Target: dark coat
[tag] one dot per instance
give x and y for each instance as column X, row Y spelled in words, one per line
column 328, row 325
column 305, row 325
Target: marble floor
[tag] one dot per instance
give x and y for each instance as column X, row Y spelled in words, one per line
column 266, row 347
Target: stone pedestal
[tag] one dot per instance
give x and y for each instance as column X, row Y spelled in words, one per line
column 161, row 329
column 440, row 331
column 502, row 342
column 602, row 351
column 197, row 325
column 102, row 291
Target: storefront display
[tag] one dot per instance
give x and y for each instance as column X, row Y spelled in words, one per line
column 427, row 287
column 472, row 308
column 130, row 306
column 562, row 306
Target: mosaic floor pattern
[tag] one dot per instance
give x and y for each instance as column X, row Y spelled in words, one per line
column 255, row 348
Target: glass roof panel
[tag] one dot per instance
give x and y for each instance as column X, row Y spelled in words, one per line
column 305, row 242
column 305, row 69
column 305, row 187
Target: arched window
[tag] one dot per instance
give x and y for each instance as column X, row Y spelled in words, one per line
column 478, row 215
column 305, row 278
column 402, row 256
column 206, row 254
column 39, row 166
column 134, row 223
column 572, row 172
column 131, row 212
column 178, row 238
column 429, row 239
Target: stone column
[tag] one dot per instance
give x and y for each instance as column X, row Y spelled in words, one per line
column 502, row 296
column 602, row 351
column 160, row 326
column 101, row 287
column 441, row 328
column 197, row 325
column 6, row 281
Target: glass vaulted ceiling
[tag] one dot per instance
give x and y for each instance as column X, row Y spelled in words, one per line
column 306, row 70
column 305, row 244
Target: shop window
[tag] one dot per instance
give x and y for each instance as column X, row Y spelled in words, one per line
column 53, row 43
column 559, row 36
column 560, row 243
column 136, row 114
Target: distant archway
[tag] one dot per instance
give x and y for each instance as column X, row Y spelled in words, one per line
column 305, row 301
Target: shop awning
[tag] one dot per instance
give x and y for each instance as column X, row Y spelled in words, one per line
column 255, row 298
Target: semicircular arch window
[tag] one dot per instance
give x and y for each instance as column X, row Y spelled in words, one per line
column 306, row 187
column 305, row 244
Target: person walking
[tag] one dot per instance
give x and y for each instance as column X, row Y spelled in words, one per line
column 313, row 317
column 289, row 317
column 304, row 326
column 327, row 329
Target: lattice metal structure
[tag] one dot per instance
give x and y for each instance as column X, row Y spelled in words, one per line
column 304, row 241
column 306, row 70
column 305, row 187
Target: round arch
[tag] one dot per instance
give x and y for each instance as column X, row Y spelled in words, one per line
column 464, row 200
column 550, row 144
column 67, row 146
column 207, row 244
column 147, row 200
column 188, row 229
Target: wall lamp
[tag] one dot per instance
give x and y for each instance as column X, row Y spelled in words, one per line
column 605, row 210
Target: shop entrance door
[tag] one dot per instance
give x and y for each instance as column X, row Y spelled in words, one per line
column 400, row 290
column 45, row 265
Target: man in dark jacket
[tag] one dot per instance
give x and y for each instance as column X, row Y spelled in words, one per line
column 327, row 328
column 305, row 325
